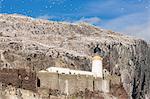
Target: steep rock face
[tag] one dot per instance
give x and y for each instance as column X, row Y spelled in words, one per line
column 38, row 44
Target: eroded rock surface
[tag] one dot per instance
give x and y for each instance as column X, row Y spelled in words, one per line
column 37, row 44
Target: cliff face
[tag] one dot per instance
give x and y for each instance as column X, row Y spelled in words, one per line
column 38, row 44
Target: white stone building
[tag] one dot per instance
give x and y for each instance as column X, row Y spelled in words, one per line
column 96, row 75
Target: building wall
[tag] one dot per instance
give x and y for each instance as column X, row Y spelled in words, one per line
column 90, row 83
column 98, row 84
column 70, row 84
column 105, row 85
column 67, row 84
column 48, row 80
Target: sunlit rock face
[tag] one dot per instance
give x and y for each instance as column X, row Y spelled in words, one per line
column 38, row 44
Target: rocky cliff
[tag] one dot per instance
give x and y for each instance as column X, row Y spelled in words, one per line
column 37, row 44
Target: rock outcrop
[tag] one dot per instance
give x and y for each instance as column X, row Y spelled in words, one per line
column 37, row 44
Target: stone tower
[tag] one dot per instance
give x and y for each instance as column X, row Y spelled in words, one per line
column 97, row 67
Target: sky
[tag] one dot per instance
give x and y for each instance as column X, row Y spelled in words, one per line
column 131, row 17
